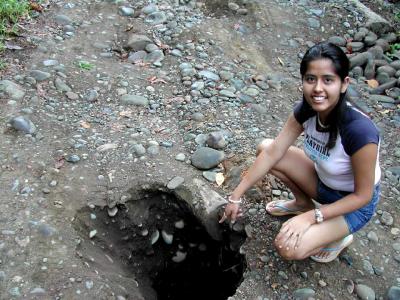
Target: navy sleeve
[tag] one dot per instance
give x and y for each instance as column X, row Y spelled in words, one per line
column 359, row 133
column 303, row 111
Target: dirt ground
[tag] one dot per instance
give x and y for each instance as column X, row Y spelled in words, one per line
column 88, row 207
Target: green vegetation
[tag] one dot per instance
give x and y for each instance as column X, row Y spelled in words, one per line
column 85, row 65
column 10, row 12
column 394, row 48
column 3, row 65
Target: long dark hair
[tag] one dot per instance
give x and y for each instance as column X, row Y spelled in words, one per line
column 341, row 65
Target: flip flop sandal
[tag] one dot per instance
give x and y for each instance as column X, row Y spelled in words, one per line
column 280, row 209
column 334, row 252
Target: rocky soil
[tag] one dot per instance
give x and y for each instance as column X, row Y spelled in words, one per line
column 125, row 123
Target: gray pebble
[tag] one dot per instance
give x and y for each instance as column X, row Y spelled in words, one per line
column 393, row 293
column 386, row 218
column 73, row 158
column 216, row 140
column 62, row 20
column 39, row 75
column 137, row 100
column 175, row 182
column 372, row 236
column 365, row 292
column 180, row 157
column 155, row 18
column 14, row 90
column 153, row 150
column 210, row 176
column 303, row 294
column 126, row 11
column 23, row 124
column 206, row 158
column 367, row 266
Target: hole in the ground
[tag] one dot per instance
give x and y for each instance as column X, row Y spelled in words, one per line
column 165, row 248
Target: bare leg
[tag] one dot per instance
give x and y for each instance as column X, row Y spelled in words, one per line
column 297, row 172
column 326, row 234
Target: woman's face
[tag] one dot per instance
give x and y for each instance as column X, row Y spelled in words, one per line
column 322, row 86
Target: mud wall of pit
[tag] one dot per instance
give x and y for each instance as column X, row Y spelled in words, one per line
column 161, row 244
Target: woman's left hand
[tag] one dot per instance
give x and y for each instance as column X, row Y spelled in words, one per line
column 292, row 230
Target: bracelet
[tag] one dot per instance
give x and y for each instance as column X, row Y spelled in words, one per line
column 234, row 201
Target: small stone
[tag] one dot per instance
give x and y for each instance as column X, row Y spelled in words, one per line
column 14, row 90
column 112, row 212
column 137, row 42
column 155, row 18
column 372, row 236
column 72, row 95
column 139, row 149
column 393, row 293
column 153, row 150
column 137, row 100
column 283, row 275
column 216, row 140
column 365, row 292
column 154, row 57
column 39, row 75
column 180, row 224
column 38, row 291
column 233, row 6
column 23, row 124
column 92, row 233
column 210, row 176
column 303, row 294
column 168, row 238
column 175, row 182
column 276, row 193
column 367, row 266
column 395, row 231
column 126, row 11
column 149, row 9
column 107, row 147
column 206, row 158
column 73, row 158
column 62, row 20
column 154, row 237
column 322, row 283
column 386, row 218
column 137, row 56
column 209, row 75
column 89, row 284
column 180, row 157
column 179, row 256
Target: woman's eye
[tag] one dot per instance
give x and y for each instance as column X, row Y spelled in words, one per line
column 310, row 79
column 328, row 80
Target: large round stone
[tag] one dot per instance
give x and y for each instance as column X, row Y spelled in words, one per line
column 206, row 158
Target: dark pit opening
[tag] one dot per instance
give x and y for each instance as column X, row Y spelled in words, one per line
column 167, row 249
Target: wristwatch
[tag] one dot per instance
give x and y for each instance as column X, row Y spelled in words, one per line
column 319, row 217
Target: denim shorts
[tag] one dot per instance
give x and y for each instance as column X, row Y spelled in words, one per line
column 356, row 219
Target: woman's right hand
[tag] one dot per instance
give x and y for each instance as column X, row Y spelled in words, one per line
column 232, row 212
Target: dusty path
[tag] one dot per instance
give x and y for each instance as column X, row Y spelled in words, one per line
column 113, row 99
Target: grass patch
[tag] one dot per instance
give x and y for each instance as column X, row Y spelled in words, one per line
column 394, row 48
column 3, row 65
column 85, row 65
column 10, row 13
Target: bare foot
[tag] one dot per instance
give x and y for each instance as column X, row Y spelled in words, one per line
column 286, row 207
column 331, row 251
